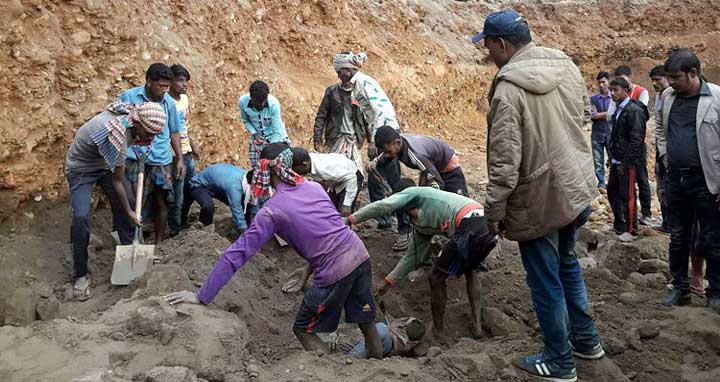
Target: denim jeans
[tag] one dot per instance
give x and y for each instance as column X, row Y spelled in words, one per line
column 689, row 201
column 81, row 189
column 177, row 216
column 391, row 173
column 558, row 292
column 599, row 146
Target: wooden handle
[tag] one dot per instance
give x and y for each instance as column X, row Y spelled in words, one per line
column 139, row 194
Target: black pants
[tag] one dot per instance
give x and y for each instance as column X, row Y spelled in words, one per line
column 205, row 198
column 339, row 197
column 621, row 193
column 644, row 192
column 391, row 173
column 81, row 188
column 688, row 198
column 455, row 182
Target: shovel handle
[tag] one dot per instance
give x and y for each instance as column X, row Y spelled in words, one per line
column 139, row 194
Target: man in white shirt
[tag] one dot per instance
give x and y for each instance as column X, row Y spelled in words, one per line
column 337, row 173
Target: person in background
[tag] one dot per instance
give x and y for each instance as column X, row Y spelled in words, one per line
column 601, row 127
column 660, row 83
column 177, row 217
column 156, row 161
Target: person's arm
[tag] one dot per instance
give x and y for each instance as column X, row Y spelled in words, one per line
column 417, row 253
column 277, row 125
column 644, row 97
column 118, row 179
column 611, row 111
column 321, row 119
column 236, row 200
column 175, row 141
column 246, row 246
column 246, row 119
column 634, row 152
column 504, row 157
column 660, row 128
column 349, row 181
column 381, row 207
column 428, row 172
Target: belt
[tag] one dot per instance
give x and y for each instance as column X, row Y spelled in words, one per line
column 688, row 170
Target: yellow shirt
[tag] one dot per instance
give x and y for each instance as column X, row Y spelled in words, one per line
column 183, row 109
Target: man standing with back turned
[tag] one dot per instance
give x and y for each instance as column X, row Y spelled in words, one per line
column 537, row 152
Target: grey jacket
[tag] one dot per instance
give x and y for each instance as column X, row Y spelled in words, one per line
column 708, row 132
column 328, row 120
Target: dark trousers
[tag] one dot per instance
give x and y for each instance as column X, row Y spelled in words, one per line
column 339, row 197
column 644, row 191
column 688, row 198
column 455, row 182
column 177, row 215
column 621, row 194
column 391, row 173
column 205, row 199
column 81, row 188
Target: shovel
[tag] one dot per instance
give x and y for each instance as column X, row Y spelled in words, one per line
column 131, row 261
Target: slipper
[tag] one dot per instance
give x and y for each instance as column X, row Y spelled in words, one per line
column 81, row 290
column 402, row 242
column 697, row 291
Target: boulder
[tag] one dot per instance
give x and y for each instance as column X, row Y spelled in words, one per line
column 652, row 266
column 652, row 248
column 148, row 319
column 166, row 279
column 47, row 308
column 600, row 370
column 638, row 279
column 170, row 374
column 656, row 280
column 620, row 258
column 19, row 308
column 629, row 298
column 648, row 330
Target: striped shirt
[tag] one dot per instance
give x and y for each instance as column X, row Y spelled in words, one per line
column 373, row 103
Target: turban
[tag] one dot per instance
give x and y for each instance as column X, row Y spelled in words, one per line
column 280, row 166
column 349, row 60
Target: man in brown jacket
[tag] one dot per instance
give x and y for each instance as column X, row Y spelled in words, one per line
column 541, row 184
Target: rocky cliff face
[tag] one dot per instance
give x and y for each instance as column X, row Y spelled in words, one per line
column 62, row 61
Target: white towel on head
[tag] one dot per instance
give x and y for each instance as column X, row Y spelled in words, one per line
column 349, row 60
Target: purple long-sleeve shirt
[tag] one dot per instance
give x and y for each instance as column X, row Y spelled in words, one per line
column 304, row 216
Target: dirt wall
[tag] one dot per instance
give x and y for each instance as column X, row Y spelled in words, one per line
column 62, row 61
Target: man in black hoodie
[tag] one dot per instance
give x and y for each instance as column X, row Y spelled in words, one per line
column 628, row 153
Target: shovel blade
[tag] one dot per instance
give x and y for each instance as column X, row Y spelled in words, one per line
column 124, row 269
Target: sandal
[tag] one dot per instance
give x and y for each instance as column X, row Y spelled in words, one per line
column 402, row 242
column 696, row 290
column 81, row 289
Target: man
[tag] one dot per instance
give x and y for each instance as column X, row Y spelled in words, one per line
column 226, row 183
column 628, row 154
column 600, row 133
column 341, row 124
column 97, row 156
column 689, row 142
column 378, row 111
column 660, row 83
column 637, row 93
column 338, row 174
column 301, row 213
column 435, row 212
column 157, row 160
column 541, row 184
column 190, row 151
column 437, row 162
column 260, row 113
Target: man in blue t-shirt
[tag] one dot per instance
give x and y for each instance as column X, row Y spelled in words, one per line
column 600, row 134
column 158, row 157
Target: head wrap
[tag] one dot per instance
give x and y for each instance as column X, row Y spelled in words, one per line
column 280, row 166
column 150, row 115
column 349, row 60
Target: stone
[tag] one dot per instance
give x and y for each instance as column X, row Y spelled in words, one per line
column 44, row 290
column 81, row 37
column 148, row 319
column 633, row 340
column 47, row 308
column 648, row 330
column 629, row 298
column 170, row 374
column 19, row 308
column 600, row 370
column 587, row 263
column 167, row 333
column 588, row 236
column 620, row 258
column 656, row 280
column 652, row 248
column 120, row 357
column 434, row 351
column 498, row 323
column 638, row 279
column 165, row 279
column 652, row 266
column 614, row 345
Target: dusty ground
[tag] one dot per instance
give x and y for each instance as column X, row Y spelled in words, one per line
column 65, row 60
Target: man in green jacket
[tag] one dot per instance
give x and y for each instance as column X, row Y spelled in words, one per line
column 435, row 212
column 540, row 185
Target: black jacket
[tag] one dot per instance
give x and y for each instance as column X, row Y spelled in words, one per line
column 328, row 120
column 627, row 140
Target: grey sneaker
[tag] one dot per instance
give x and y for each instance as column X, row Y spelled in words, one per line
column 626, row 237
column 589, row 353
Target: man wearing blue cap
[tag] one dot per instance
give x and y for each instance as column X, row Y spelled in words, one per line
column 541, row 184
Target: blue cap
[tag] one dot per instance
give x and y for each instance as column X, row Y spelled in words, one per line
column 503, row 23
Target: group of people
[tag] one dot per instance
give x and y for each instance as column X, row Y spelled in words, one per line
column 541, row 185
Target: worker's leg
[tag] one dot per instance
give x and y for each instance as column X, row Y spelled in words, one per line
column 157, row 195
column 121, row 221
column 472, row 283
column 81, row 187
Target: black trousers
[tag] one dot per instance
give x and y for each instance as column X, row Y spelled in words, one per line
column 621, row 193
column 455, row 182
column 688, row 198
column 391, row 173
column 644, row 191
column 204, row 197
column 339, row 197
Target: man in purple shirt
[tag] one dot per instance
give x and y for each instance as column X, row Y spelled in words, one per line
column 302, row 214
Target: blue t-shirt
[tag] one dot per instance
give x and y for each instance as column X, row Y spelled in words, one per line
column 266, row 123
column 161, row 151
column 226, row 183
